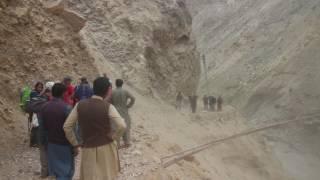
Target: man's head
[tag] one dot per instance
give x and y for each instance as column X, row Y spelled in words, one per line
column 38, row 87
column 119, row 82
column 49, row 85
column 84, row 80
column 67, row 81
column 101, row 86
column 58, row 90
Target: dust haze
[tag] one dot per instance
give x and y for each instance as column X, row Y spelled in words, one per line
column 260, row 56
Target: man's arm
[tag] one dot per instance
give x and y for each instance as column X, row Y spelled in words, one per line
column 69, row 126
column 132, row 100
column 118, row 121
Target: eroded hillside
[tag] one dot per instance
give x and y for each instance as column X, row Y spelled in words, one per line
column 34, row 46
column 146, row 42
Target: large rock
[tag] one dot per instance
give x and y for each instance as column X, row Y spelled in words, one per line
column 74, row 19
column 56, row 7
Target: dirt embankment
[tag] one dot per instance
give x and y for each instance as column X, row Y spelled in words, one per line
column 34, row 45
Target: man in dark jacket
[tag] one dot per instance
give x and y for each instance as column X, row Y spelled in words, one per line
column 60, row 152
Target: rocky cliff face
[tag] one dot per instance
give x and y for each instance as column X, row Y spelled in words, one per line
column 34, row 45
column 145, row 42
column 263, row 58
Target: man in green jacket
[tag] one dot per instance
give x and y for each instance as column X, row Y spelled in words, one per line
column 122, row 100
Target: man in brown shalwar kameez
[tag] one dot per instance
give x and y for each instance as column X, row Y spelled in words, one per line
column 100, row 123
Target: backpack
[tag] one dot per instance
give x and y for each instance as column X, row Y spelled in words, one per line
column 25, row 97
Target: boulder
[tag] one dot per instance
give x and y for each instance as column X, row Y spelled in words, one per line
column 56, row 7
column 74, row 19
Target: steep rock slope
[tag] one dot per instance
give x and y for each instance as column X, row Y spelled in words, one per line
column 145, row 42
column 263, row 58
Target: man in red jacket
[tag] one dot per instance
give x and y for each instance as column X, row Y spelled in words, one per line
column 68, row 95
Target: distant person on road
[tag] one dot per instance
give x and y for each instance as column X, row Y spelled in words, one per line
column 220, row 102
column 212, row 103
column 179, row 100
column 60, row 152
column 205, row 102
column 193, row 103
column 123, row 100
column 100, row 125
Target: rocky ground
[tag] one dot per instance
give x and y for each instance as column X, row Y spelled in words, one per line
column 23, row 163
column 159, row 130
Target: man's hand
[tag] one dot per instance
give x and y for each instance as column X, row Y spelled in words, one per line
column 76, row 150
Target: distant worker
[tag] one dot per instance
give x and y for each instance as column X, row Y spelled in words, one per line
column 212, row 103
column 193, row 103
column 179, row 100
column 205, row 102
column 220, row 102
column 100, row 124
column 123, row 101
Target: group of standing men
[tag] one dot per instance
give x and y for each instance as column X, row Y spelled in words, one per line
column 209, row 102
column 90, row 118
